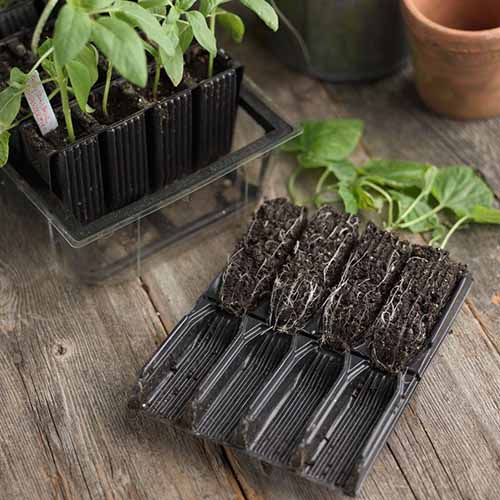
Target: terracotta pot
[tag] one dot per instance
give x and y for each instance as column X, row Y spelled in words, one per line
column 456, row 54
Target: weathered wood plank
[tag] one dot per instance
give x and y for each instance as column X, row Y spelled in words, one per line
column 68, row 358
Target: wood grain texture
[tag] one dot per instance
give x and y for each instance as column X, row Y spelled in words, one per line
column 69, row 355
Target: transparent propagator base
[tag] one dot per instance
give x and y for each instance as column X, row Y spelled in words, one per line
column 118, row 245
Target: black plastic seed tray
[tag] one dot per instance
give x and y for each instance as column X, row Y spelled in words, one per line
column 287, row 400
column 20, row 14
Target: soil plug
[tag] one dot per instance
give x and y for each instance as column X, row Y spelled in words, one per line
column 260, row 254
column 407, row 319
column 320, row 256
column 368, row 277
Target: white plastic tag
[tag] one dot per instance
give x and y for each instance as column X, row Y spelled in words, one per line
column 40, row 105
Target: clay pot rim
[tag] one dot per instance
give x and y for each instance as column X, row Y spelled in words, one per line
column 440, row 31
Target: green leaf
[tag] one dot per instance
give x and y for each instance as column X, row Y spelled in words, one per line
column 201, row 31
column 264, row 11
column 10, row 104
column 4, row 147
column 185, row 4
column 71, row 33
column 153, row 4
column 91, row 5
column 208, row 7
column 185, row 37
column 174, row 66
column 18, row 79
column 48, row 63
column 331, row 140
column 295, row 145
column 404, row 201
column 141, row 17
column 83, row 75
column 460, row 189
column 232, row 23
column 343, row 170
column 485, row 215
column 349, row 198
column 366, row 200
column 123, row 48
column 394, row 173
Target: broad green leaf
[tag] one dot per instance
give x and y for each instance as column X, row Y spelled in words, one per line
column 485, row 215
column 331, row 140
column 83, row 75
column 174, row 66
column 123, row 47
column 201, row 31
column 404, row 201
column 394, row 173
column 438, row 233
column 349, row 198
column 10, row 104
column 71, row 33
column 264, row 11
column 460, row 189
column 232, row 23
column 185, row 37
column 4, row 147
column 147, row 22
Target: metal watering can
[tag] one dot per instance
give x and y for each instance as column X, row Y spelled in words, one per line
column 340, row 40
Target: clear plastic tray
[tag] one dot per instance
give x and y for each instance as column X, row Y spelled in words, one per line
column 120, row 242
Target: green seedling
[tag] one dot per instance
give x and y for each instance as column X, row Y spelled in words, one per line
column 417, row 197
column 233, row 23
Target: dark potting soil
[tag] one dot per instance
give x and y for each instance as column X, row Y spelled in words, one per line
column 354, row 303
column 165, row 88
column 15, row 53
column 123, row 102
column 83, row 125
column 415, row 304
column 197, row 63
column 260, row 254
column 317, row 264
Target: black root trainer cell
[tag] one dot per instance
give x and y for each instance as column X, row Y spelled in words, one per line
column 414, row 306
column 260, row 254
column 368, row 277
column 320, row 256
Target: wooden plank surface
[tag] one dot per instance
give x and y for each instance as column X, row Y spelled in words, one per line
column 69, row 354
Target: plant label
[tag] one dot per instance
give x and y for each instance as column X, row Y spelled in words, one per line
column 40, row 105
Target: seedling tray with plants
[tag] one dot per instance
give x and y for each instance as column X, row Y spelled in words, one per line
column 206, row 196
column 306, row 349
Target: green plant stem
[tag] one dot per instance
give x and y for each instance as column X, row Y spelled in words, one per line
column 387, row 196
column 107, row 86
column 291, row 183
column 63, row 86
column 453, row 229
column 156, row 81
column 211, row 57
column 322, row 180
column 423, row 217
column 42, row 21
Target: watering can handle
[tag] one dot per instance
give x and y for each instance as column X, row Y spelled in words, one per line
column 295, row 33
